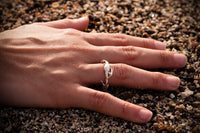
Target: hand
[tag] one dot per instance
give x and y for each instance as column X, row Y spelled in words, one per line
column 51, row 64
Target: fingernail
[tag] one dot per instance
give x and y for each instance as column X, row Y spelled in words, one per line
column 173, row 82
column 180, row 59
column 159, row 45
column 145, row 115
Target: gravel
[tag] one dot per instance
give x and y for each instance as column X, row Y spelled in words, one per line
column 174, row 22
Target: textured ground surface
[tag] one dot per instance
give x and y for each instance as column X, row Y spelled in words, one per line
column 175, row 22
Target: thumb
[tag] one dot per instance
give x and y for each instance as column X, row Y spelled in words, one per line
column 79, row 24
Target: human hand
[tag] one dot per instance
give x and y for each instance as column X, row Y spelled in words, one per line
column 51, row 64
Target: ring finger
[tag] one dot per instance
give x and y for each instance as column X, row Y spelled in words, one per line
column 127, row 76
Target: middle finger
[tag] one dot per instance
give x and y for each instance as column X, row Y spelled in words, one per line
column 138, row 57
column 117, row 39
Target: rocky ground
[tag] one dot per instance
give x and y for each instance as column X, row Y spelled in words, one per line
column 175, row 22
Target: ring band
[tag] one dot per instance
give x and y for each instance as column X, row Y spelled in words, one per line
column 108, row 73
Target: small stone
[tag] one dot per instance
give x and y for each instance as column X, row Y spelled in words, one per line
column 172, row 96
column 145, row 34
column 138, row 19
column 45, row 123
column 93, row 31
column 101, row 28
column 197, row 95
column 181, row 106
column 196, row 103
column 167, row 128
column 186, row 93
column 189, row 107
column 55, row 5
column 148, row 96
column 172, row 117
column 172, row 103
column 169, row 114
column 155, row 125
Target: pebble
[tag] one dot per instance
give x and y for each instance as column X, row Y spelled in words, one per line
column 172, row 117
column 172, row 103
column 172, row 96
column 181, row 106
column 196, row 103
column 197, row 95
column 186, row 93
column 189, row 107
column 55, row 5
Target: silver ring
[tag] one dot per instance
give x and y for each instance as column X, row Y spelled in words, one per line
column 108, row 73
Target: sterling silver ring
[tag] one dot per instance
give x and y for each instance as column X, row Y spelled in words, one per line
column 108, row 73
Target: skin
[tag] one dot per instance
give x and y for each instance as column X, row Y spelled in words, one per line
column 51, row 64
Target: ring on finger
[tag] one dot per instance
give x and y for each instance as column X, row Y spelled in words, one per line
column 108, row 73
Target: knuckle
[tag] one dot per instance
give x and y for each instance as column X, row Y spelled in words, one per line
column 124, row 108
column 146, row 43
column 138, row 85
column 156, row 78
column 129, row 52
column 121, row 71
column 98, row 99
column 121, row 38
column 164, row 56
column 82, row 67
column 71, row 31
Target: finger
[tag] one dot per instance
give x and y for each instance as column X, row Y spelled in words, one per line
column 79, row 24
column 127, row 76
column 110, row 105
column 139, row 57
column 104, row 39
